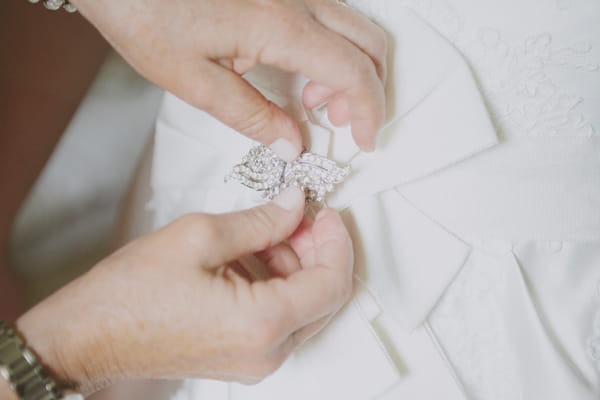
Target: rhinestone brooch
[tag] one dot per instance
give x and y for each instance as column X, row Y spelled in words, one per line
column 262, row 170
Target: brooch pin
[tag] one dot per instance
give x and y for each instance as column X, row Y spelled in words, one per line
column 262, row 170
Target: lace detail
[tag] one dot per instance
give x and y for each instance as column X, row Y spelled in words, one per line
column 524, row 98
column 467, row 326
column 594, row 340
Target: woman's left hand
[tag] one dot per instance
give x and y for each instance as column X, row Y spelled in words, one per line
column 198, row 49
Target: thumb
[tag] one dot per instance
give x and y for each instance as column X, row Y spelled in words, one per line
column 321, row 286
column 235, row 102
column 250, row 231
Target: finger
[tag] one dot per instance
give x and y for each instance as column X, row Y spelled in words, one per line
column 355, row 27
column 315, row 95
column 239, row 65
column 280, row 260
column 302, row 240
column 342, row 66
column 298, row 338
column 304, row 334
column 231, row 99
column 233, row 235
column 338, row 111
column 323, row 287
column 234, row 271
column 332, row 242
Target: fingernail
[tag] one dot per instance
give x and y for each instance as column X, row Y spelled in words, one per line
column 370, row 147
column 290, row 199
column 285, row 149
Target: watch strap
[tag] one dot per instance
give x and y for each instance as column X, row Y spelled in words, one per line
column 20, row 367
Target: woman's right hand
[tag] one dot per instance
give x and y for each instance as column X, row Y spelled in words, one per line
column 177, row 303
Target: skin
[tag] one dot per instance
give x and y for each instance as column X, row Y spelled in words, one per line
column 198, row 49
column 178, row 303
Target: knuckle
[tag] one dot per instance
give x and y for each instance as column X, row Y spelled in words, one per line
column 262, row 335
column 285, row 18
column 199, row 228
column 280, row 12
column 285, row 25
column 266, row 368
column 295, row 27
column 261, row 225
column 363, row 69
column 273, row 326
column 262, row 340
column 380, row 41
column 257, row 120
column 265, row 330
column 380, row 49
column 342, row 289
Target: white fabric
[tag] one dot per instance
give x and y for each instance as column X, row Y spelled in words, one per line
column 476, row 222
column 68, row 218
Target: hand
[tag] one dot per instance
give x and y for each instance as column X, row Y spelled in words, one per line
column 198, row 49
column 178, row 303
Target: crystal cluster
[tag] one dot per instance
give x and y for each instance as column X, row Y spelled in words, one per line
column 262, row 170
column 56, row 4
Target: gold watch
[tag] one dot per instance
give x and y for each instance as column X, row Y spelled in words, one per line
column 20, row 367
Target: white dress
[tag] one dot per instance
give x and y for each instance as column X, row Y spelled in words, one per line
column 476, row 222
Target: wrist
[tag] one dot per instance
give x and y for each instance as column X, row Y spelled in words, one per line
column 37, row 330
column 57, row 332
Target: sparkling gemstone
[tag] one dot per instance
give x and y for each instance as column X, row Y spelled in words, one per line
column 262, row 170
column 54, row 4
column 70, row 8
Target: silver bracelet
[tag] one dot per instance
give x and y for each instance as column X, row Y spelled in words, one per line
column 56, row 4
column 24, row 373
